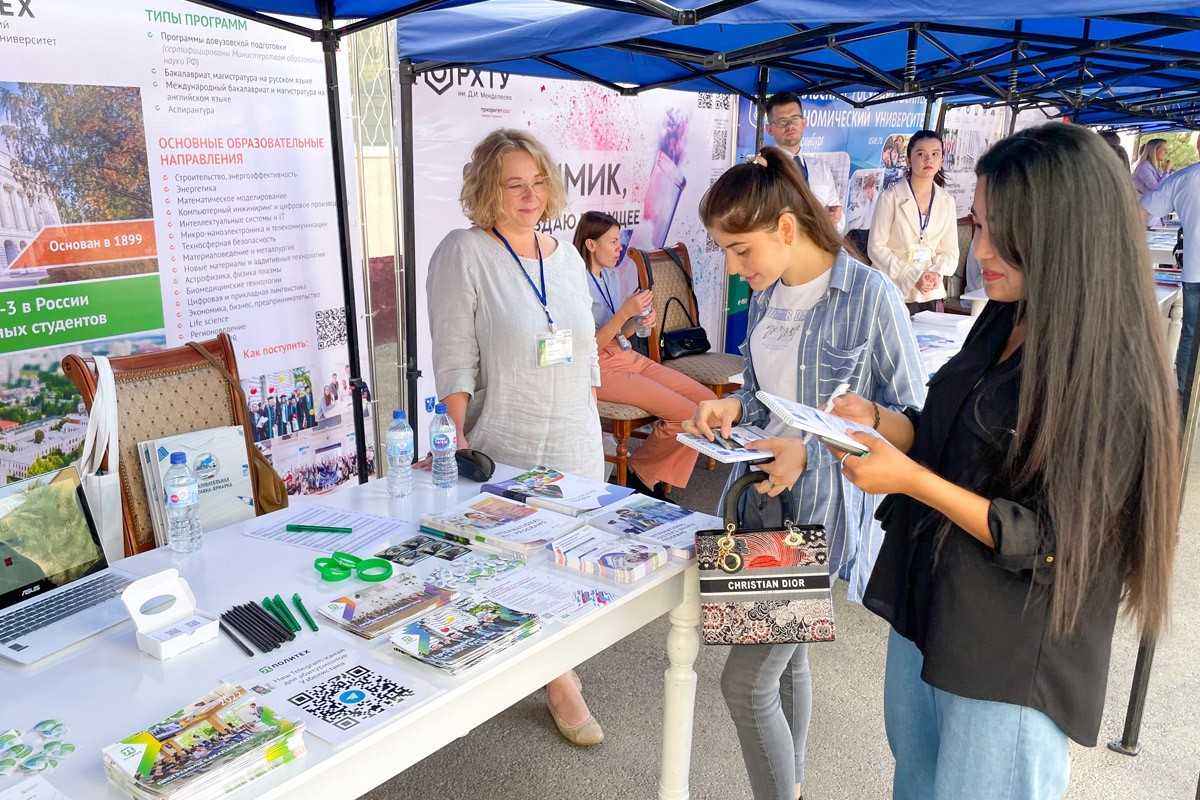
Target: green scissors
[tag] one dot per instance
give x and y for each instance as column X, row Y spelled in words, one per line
column 340, row 566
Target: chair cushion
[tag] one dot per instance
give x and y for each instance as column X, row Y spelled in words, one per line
column 710, row 369
column 621, row 411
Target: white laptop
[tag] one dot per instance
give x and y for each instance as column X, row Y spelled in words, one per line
column 56, row 587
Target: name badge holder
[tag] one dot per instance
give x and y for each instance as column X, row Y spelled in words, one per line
column 606, row 296
column 922, row 255
column 556, row 346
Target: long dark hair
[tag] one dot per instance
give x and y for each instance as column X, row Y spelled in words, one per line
column 920, row 136
column 592, row 225
column 1098, row 421
column 751, row 197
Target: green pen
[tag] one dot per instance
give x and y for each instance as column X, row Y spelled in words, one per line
column 283, row 609
column 292, row 528
column 299, row 604
column 269, row 605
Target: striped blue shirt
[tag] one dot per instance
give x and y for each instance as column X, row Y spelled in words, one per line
column 859, row 334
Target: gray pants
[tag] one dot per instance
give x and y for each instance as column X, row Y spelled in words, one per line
column 768, row 689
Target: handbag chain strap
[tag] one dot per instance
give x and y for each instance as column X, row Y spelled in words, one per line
column 727, row 557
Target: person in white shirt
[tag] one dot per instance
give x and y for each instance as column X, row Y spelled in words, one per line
column 786, row 124
column 914, row 236
column 1180, row 192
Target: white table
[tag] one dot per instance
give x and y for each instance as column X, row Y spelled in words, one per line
column 1161, row 242
column 105, row 688
column 1170, row 302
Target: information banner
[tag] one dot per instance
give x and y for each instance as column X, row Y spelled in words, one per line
column 647, row 160
column 165, row 175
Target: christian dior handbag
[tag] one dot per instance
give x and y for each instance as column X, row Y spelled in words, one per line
column 767, row 585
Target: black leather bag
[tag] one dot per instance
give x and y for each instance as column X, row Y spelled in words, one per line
column 689, row 341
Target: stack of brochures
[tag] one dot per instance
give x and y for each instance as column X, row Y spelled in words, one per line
column 732, row 450
column 464, row 633
column 499, row 524
column 623, row 558
column 219, row 458
column 205, row 750
column 659, row 521
column 546, row 487
column 377, row 609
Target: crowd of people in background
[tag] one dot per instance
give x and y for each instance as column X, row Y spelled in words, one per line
column 324, row 474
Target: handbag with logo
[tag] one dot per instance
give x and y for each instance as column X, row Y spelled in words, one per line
column 689, row 341
column 764, row 585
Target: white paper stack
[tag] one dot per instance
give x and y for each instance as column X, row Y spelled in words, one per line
column 218, row 457
column 623, row 558
column 209, row 748
column 460, row 635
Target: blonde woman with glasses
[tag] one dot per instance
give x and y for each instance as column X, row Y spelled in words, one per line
column 514, row 342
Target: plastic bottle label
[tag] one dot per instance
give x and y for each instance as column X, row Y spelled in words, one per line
column 183, row 496
column 398, row 452
column 440, row 442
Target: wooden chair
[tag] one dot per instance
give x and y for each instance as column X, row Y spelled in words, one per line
column 161, row 394
column 712, row 369
column 623, row 422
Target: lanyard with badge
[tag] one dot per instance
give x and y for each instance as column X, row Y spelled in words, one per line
column 922, row 253
column 606, row 296
column 555, row 347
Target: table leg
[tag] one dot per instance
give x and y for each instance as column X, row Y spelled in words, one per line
column 1174, row 326
column 679, row 705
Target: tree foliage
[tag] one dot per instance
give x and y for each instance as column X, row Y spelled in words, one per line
column 84, row 146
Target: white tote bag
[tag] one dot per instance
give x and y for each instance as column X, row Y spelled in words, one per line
column 103, row 487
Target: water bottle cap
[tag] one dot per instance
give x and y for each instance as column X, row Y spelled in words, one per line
column 178, row 458
column 399, row 414
column 440, row 408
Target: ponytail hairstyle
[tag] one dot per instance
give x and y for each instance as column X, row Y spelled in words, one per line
column 752, row 196
column 919, row 136
column 592, row 225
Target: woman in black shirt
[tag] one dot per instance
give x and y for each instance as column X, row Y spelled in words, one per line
column 1039, row 489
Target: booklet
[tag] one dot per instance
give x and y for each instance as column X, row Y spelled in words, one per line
column 545, row 487
column 377, row 609
column 659, row 521
column 500, row 524
column 732, row 450
column 219, row 458
column 460, row 635
column 623, row 558
column 831, row 430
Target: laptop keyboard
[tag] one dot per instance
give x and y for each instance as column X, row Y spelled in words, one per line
column 51, row 609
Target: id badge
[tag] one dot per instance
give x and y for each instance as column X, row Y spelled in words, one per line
column 922, row 255
column 623, row 342
column 554, row 348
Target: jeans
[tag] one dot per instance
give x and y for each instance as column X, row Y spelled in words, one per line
column 949, row 747
column 1185, row 357
column 768, row 689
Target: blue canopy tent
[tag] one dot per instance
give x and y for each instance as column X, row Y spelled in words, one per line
column 1104, row 62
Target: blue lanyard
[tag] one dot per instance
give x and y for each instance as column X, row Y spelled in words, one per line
column 542, row 296
column 923, row 219
column 605, row 292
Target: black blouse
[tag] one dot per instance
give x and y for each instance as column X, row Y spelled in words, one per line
column 980, row 615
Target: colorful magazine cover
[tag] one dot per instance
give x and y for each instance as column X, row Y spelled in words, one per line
column 545, row 487
column 376, row 609
column 463, row 633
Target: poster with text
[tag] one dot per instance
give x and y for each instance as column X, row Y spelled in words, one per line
column 165, row 176
column 647, row 160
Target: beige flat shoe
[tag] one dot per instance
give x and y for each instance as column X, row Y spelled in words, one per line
column 578, row 681
column 586, row 734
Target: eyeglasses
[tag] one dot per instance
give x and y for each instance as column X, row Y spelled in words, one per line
column 787, row 122
column 518, row 187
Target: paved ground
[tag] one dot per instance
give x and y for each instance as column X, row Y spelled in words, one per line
column 519, row 756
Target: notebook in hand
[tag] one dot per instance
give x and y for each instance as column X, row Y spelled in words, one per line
column 833, row 431
column 732, row 450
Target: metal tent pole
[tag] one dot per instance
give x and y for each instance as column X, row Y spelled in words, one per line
column 760, row 108
column 407, row 77
column 329, row 44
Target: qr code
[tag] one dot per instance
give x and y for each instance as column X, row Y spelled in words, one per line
column 331, row 327
column 704, row 100
column 351, row 697
column 720, row 144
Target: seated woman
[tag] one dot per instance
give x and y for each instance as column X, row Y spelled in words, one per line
column 629, row 377
column 914, row 236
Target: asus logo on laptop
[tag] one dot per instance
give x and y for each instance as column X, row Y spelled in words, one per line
column 31, row 590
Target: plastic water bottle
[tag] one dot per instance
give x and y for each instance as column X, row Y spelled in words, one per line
column 643, row 330
column 181, row 496
column 443, row 441
column 399, row 444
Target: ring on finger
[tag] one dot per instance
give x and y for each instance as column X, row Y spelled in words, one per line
column 842, row 460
